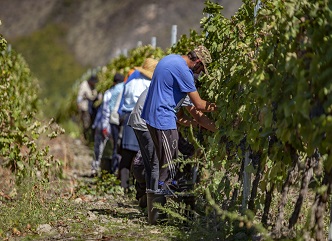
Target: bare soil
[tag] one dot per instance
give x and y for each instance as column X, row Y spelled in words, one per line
column 108, row 217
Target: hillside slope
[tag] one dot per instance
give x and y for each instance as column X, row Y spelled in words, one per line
column 99, row 30
column 61, row 39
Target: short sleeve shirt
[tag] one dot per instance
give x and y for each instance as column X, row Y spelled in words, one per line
column 132, row 90
column 171, row 81
column 135, row 120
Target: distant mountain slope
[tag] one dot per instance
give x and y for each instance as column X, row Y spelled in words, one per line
column 97, row 30
column 61, row 39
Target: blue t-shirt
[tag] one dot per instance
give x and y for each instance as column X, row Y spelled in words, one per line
column 171, row 81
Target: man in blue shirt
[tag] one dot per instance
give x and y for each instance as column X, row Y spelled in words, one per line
column 172, row 81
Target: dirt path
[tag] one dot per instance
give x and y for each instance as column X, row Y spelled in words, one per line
column 107, row 217
column 68, row 214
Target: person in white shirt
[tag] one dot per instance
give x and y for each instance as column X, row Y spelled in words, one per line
column 86, row 95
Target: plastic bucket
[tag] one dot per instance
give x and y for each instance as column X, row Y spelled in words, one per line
column 186, row 203
column 186, row 198
column 154, row 214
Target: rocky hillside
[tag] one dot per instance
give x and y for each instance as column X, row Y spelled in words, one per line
column 97, row 30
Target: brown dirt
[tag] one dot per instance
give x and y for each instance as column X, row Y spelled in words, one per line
column 121, row 211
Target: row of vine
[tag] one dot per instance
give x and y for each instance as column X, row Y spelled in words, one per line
column 20, row 127
column 270, row 78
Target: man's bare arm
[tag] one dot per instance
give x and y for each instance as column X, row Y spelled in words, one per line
column 185, row 120
column 201, row 118
column 201, row 104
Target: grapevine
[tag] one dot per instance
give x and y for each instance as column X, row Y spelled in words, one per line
column 271, row 80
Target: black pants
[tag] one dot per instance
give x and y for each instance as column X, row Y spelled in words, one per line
column 150, row 159
column 166, row 145
column 140, row 184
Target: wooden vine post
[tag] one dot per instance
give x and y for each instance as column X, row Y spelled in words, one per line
column 246, row 181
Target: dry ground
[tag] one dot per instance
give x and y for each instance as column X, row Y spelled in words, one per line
column 107, row 217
